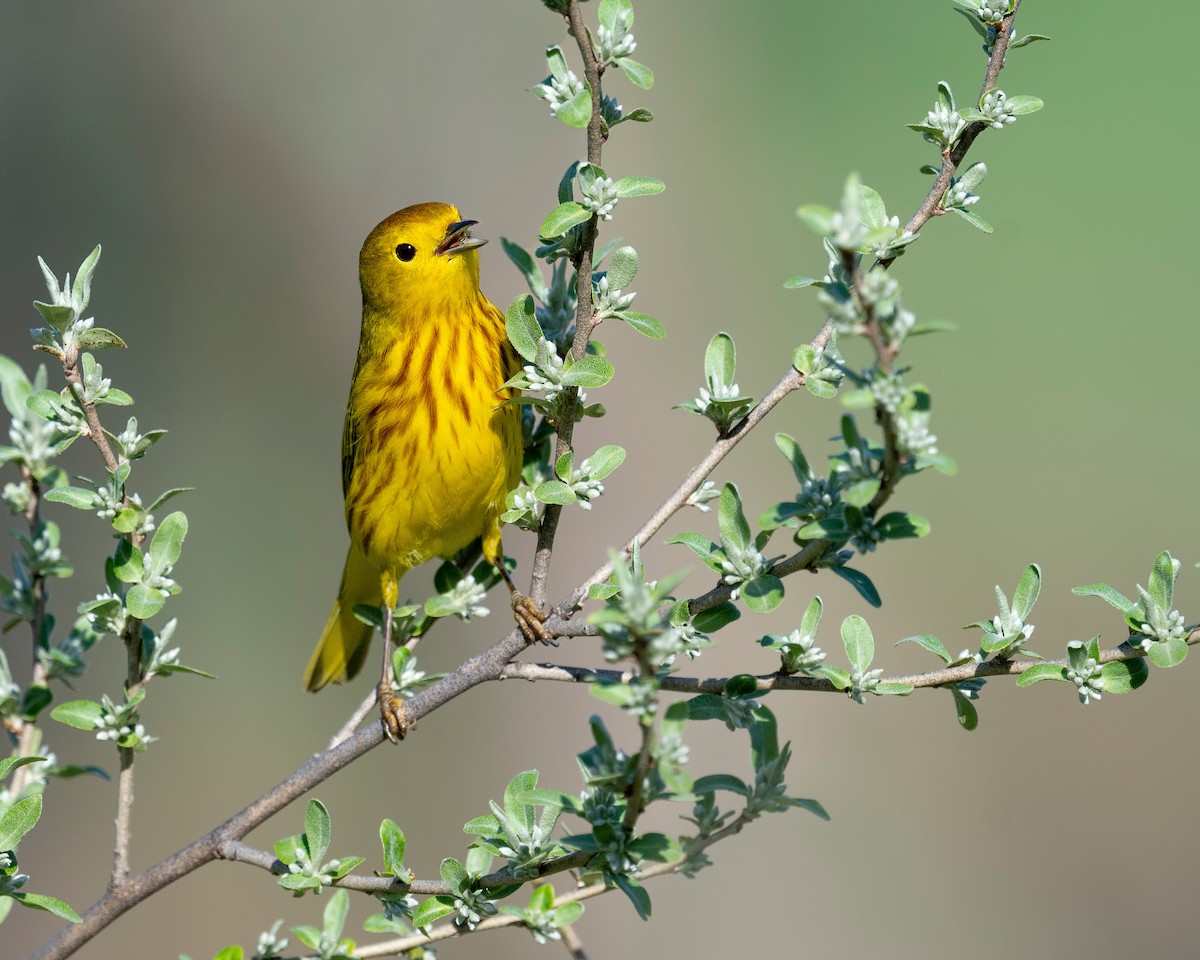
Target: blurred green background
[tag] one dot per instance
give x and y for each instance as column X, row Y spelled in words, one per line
column 231, row 157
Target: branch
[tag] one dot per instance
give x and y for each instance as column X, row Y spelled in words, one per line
column 946, row 677
column 584, row 309
column 931, row 205
column 237, row 852
column 793, row 379
column 448, row 931
column 27, row 729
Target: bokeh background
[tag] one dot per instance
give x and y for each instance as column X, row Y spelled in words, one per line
column 231, row 157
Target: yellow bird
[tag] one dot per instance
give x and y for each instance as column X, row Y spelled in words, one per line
column 428, row 453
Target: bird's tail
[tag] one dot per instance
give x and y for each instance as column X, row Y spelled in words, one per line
column 346, row 639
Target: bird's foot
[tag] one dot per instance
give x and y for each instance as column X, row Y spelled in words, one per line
column 391, row 711
column 531, row 619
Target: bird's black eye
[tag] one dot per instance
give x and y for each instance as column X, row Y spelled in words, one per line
column 405, row 252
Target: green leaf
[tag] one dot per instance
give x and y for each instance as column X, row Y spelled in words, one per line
column 98, row 338
column 562, row 218
column 44, row 403
column 127, row 562
column 39, row 901
column 861, row 493
column 520, row 323
column 812, row 806
column 1168, row 653
column 764, row 738
column 553, row 799
column 432, row 910
column 714, row 618
column 392, row 839
column 933, row 326
column 973, row 219
column 485, row 826
column 1027, row 591
column 817, row 218
column 554, row 491
column 1161, row 586
column 1041, row 671
column 144, row 602
column 1123, row 676
column 635, row 892
column 77, row 497
column 945, row 96
column 735, row 530
column 829, row 528
column 930, row 643
column 835, row 675
column 18, row 820
column 316, row 830
column 897, row 526
column 37, row 697
column 639, row 74
column 60, row 318
column 968, row 716
column 1026, row 40
column 763, row 594
column 167, row 494
column 705, row 549
column 588, row 372
column 643, row 323
column 14, row 387
column 81, row 289
column 719, row 359
column 167, row 543
column 799, row 281
column 567, row 914
column 720, row 781
column 638, row 115
column 622, row 267
column 605, row 460
column 892, row 689
column 860, row 582
column 577, row 111
column 454, row 873
column 1110, row 595
column 9, row 764
column 791, row 449
column 1021, row 104
column 637, row 186
column 80, row 714
column 656, row 847
column 523, row 261
column 859, row 643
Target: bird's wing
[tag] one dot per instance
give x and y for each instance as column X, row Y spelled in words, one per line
column 349, row 437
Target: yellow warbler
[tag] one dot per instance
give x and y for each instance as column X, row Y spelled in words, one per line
column 428, row 453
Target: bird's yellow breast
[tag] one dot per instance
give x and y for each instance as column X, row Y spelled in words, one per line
column 433, row 455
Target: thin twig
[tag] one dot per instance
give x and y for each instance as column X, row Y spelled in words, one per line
column 572, row 942
column 27, row 731
column 791, row 380
column 945, row 677
column 448, row 931
column 584, row 308
column 931, row 206
column 369, row 704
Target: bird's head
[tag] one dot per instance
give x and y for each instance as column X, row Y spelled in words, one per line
column 420, row 258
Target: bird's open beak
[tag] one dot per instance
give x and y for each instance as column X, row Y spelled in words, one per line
column 458, row 238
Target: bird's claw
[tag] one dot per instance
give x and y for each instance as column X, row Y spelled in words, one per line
column 391, row 712
column 531, row 619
